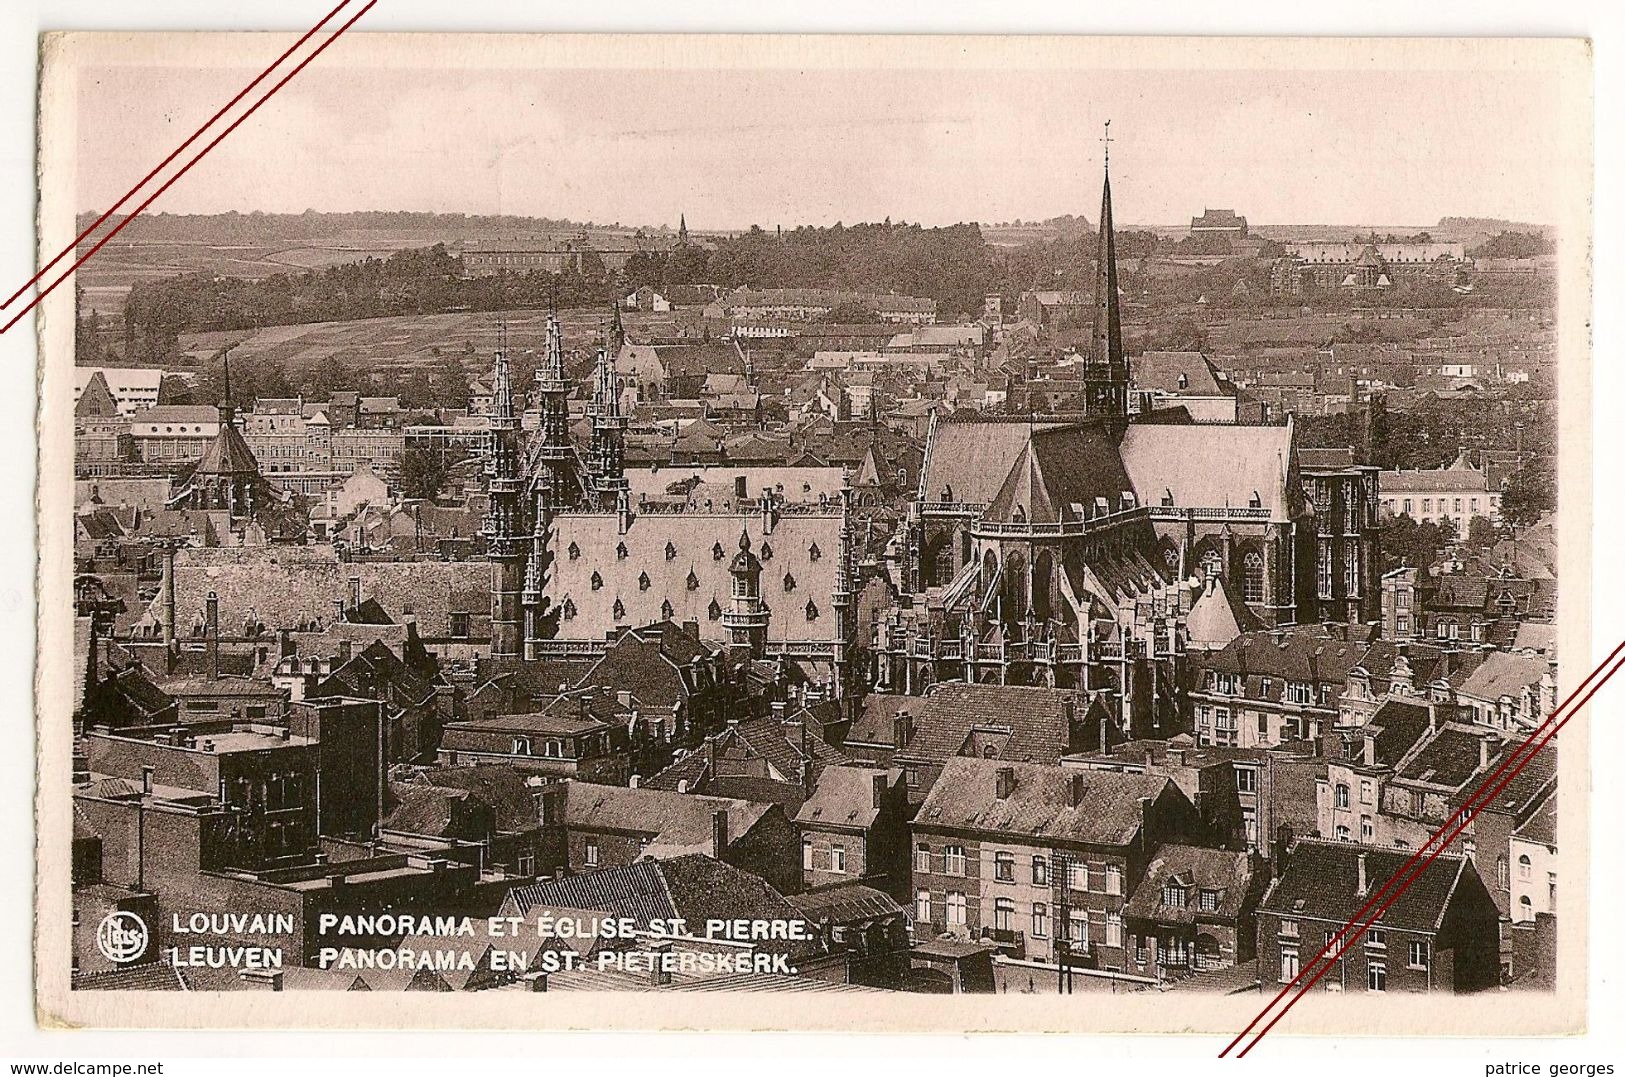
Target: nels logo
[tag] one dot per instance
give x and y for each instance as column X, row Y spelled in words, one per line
column 122, row 937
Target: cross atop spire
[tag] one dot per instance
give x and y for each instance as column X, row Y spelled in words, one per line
column 1106, row 140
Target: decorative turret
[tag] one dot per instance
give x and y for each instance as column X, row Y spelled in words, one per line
column 503, row 527
column 746, row 616
column 607, row 456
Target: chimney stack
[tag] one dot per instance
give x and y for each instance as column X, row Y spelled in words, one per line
column 719, row 832
column 355, row 592
column 1004, row 782
column 1484, row 752
column 146, row 777
column 880, row 790
column 262, row 979
column 659, row 975
column 211, row 616
column 537, row 981
column 1078, row 786
column 902, row 728
column 1364, row 885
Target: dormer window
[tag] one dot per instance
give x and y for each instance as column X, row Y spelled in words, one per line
column 619, row 609
column 1209, row 900
column 1173, row 895
column 671, row 552
column 789, row 583
column 813, row 552
column 621, row 553
column 812, row 610
column 1167, row 498
column 767, row 551
column 666, row 610
column 574, row 551
column 714, row 611
column 716, row 552
column 1256, row 502
column 693, row 581
column 521, row 746
column 569, row 609
column 643, row 581
column 597, row 581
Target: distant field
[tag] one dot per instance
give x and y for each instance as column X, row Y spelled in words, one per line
column 405, row 343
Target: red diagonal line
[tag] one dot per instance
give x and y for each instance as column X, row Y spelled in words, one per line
column 1478, row 794
column 40, row 295
column 166, row 161
column 1482, row 793
column 1486, row 792
column 1343, row 945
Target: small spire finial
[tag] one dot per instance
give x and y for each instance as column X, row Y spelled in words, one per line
column 1106, row 140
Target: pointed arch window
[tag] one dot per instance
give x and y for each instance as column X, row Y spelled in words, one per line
column 767, row 551
column 714, row 611
column 569, row 609
column 619, row 609
column 693, row 581
column 1212, row 565
column 643, row 581
column 1252, row 577
column 597, row 581
column 671, row 552
column 812, row 610
column 574, row 551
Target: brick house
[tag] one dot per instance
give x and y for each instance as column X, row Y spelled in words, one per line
column 1193, row 911
column 1037, row 858
column 855, row 825
column 1439, row 935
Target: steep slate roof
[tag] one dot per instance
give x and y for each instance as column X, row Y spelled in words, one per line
column 678, row 822
column 764, row 738
column 1057, row 469
column 1161, row 370
column 1212, row 465
column 1033, row 725
column 1321, row 881
column 973, row 458
column 1425, row 481
column 1217, row 617
column 228, row 454
column 874, row 722
column 965, row 798
column 1200, row 869
column 297, row 584
column 1302, row 655
column 693, row 538
column 1503, row 674
column 844, row 796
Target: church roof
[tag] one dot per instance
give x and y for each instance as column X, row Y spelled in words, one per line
column 1217, row 617
column 228, row 454
column 970, row 460
column 1056, row 469
column 1212, row 465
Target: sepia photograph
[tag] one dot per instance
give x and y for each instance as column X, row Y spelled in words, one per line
column 937, row 526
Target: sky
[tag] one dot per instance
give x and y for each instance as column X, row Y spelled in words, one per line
column 731, row 148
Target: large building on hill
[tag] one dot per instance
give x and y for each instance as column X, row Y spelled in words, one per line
column 1068, row 551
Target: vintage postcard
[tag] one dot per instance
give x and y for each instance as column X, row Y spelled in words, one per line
column 876, row 533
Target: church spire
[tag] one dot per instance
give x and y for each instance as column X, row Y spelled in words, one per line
column 682, row 230
column 1108, row 371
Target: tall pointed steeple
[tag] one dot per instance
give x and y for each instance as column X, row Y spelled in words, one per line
column 682, row 230
column 1107, row 377
column 608, row 451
